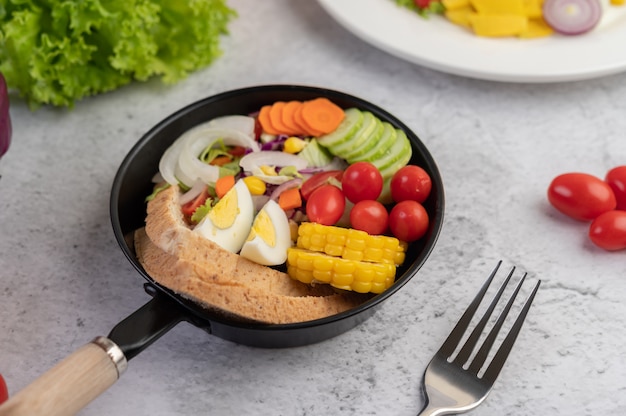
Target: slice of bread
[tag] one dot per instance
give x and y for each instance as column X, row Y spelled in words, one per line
column 198, row 269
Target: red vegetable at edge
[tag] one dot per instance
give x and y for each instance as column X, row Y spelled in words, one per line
column 616, row 178
column 608, row 231
column 581, row 196
column 5, row 119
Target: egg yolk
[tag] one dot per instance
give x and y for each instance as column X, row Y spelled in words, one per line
column 225, row 211
column 264, row 228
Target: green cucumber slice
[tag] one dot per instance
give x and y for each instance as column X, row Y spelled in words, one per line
column 368, row 125
column 367, row 142
column 375, row 149
column 395, row 155
column 348, row 126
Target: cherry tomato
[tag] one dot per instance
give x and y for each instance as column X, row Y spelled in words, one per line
column 4, row 392
column 581, row 196
column 408, row 221
column 190, row 207
column 325, row 205
column 369, row 216
column 422, row 4
column 319, row 179
column 608, row 231
column 410, row 183
column 362, row 181
column 616, row 178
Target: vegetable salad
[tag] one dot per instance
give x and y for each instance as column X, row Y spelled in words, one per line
column 327, row 192
column 525, row 19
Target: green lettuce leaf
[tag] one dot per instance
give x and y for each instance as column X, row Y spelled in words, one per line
column 59, row 51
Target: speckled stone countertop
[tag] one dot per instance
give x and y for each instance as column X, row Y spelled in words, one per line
column 63, row 279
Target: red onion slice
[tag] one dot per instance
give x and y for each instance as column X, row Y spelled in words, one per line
column 5, row 119
column 572, row 17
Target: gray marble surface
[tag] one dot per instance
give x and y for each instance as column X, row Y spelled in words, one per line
column 63, row 279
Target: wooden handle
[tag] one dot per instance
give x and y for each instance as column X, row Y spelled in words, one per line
column 71, row 384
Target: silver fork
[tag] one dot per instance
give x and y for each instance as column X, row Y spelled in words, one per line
column 456, row 384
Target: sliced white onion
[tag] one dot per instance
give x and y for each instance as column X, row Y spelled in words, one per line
column 252, row 163
column 192, row 193
column 293, row 183
column 169, row 162
column 180, row 161
column 244, row 124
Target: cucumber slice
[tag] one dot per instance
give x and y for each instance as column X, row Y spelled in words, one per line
column 376, row 148
column 368, row 125
column 405, row 156
column 348, row 126
column 396, row 153
column 367, row 141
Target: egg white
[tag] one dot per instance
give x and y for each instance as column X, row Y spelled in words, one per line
column 228, row 223
column 269, row 238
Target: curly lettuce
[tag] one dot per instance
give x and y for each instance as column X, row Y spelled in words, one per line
column 59, row 51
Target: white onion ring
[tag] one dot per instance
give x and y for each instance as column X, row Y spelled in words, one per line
column 252, row 163
column 293, row 183
column 192, row 193
column 244, row 124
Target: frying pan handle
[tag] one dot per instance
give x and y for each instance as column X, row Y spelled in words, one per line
column 72, row 383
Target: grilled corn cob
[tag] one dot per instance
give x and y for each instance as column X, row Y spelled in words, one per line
column 359, row 276
column 351, row 244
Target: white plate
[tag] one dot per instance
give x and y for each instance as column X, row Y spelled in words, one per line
column 441, row 45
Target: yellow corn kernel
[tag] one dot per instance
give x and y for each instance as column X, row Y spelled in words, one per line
column 268, row 170
column 294, row 145
column 359, row 276
column 350, row 244
column 255, row 185
column 617, row 2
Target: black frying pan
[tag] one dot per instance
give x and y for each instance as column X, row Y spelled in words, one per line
column 93, row 368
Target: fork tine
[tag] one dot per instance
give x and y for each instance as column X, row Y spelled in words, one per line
column 482, row 353
column 450, row 344
column 471, row 341
column 503, row 352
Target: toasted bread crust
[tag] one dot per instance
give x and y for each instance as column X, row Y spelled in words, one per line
column 196, row 268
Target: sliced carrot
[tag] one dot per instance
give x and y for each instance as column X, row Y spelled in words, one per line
column 223, row 185
column 221, row 160
column 276, row 118
column 264, row 120
column 322, row 115
column 290, row 199
column 288, row 117
column 300, row 120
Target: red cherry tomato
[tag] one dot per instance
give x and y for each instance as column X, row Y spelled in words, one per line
column 581, row 196
column 4, row 392
column 369, row 216
column 408, row 221
column 319, row 179
column 410, row 183
column 608, row 231
column 190, row 207
column 616, row 178
column 362, row 181
column 325, row 205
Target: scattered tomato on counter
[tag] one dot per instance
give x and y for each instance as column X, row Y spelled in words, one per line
column 581, row 196
column 616, row 178
column 608, row 231
column 4, row 391
column 585, row 197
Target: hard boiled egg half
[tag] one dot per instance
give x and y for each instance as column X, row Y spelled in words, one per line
column 269, row 238
column 228, row 223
